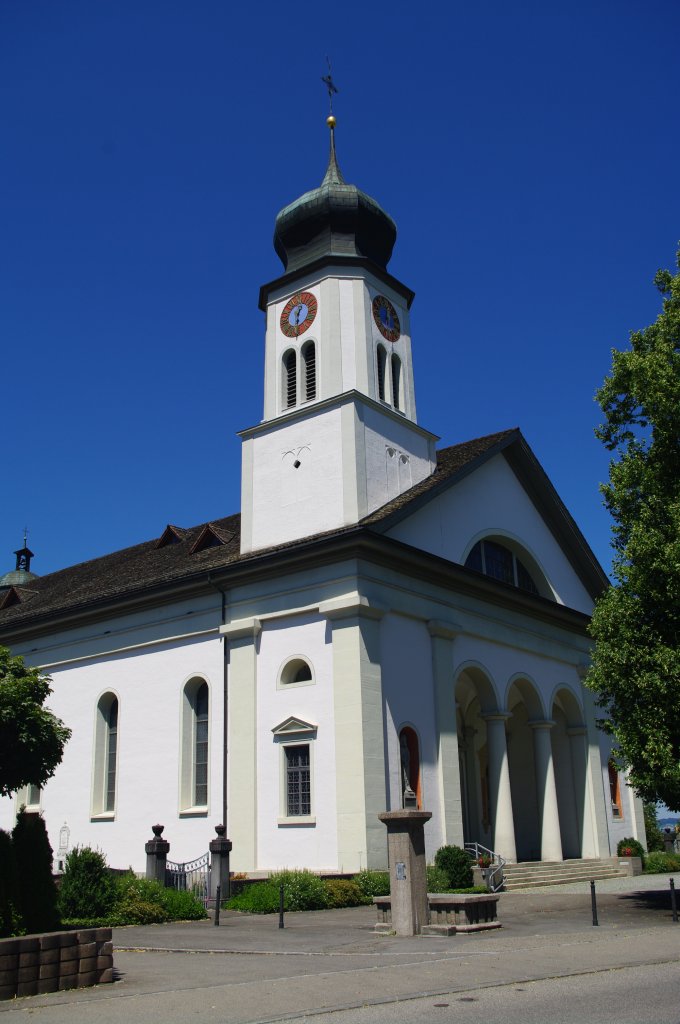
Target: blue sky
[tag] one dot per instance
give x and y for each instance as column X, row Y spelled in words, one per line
column 529, row 154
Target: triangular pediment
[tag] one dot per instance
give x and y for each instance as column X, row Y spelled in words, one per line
column 294, row 726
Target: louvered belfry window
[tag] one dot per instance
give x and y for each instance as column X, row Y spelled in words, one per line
column 290, row 378
column 382, row 363
column 309, row 363
column 298, row 788
column 396, row 381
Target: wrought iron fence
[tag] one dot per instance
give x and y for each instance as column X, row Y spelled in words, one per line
column 192, row 876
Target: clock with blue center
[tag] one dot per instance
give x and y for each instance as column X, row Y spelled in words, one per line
column 385, row 316
column 298, row 314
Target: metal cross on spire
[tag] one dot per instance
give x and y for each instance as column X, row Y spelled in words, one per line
column 330, row 85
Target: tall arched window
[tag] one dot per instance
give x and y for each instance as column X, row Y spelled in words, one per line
column 382, row 367
column 409, row 754
column 309, row 370
column 289, row 378
column 195, row 753
column 396, row 382
column 105, row 756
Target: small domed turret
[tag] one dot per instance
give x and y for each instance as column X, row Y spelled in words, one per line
column 335, row 219
column 21, row 575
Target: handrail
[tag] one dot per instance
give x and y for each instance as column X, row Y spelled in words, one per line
column 494, row 878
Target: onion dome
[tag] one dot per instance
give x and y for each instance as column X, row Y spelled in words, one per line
column 335, row 219
column 21, row 575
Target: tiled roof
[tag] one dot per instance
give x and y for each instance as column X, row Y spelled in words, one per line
column 132, row 571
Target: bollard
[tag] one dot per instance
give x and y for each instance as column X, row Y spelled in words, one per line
column 593, row 903
column 674, row 907
column 280, row 906
column 218, row 900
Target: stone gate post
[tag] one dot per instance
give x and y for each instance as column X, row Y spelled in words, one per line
column 220, row 849
column 157, row 850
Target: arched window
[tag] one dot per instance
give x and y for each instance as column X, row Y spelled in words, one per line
column 195, row 752
column 396, row 382
column 106, row 756
column 499, row 562
column 296, row 671
column 309, row 370
column 289, row 378
column 409, row 755
column 615, row 790
column 382, row 367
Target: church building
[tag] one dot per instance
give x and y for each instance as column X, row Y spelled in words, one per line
column 383, row 624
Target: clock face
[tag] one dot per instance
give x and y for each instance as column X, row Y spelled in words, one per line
column 298, row 314
column 385, row 316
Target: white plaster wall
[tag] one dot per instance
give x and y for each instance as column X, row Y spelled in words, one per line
column 408, row 695
column 492, row 501
column 626, row 826
column 303, row 846
column 287, row 502
column 149, row 684
column 388, row 475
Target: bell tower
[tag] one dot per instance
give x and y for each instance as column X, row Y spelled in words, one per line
column 339, row 437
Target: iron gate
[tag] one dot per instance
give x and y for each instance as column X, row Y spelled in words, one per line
column 192, row 876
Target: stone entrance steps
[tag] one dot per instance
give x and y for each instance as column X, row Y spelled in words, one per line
column 527, row 874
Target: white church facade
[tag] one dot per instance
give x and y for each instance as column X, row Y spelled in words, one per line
column 381, row 619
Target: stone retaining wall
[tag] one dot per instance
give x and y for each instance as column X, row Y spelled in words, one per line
column 55, row 961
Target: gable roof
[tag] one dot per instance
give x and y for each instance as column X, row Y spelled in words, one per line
column 179, row 557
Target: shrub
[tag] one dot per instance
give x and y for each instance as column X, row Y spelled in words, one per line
column 260, row 898
column 303, row 890
column 88, row 888
column 652, row 831
column 143, row 901
column 662, row 863
column 437, row 880
column 10, row 918
column 630, row 848
column 182, row 906
column 341, row 892
column 456, row 865
column 36, row 891
column 373, row 883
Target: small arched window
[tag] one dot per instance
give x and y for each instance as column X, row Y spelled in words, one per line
column 296, row 671
column 499, row 562
column 289, row 378
column 195, row 747
column 309, row 370
column 615, row 790
column 382, row 368
column 106, row 755
column 396, row 382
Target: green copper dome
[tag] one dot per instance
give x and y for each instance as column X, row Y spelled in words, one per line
column 21, row 575
column 335, row 219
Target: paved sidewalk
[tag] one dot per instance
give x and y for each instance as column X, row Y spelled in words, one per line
column 249, row 970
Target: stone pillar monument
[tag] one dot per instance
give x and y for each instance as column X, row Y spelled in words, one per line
column 408, row 872
column 157, row 850
column 220, row 849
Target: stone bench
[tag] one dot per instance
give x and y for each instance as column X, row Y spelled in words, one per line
column 448, row 913
column 55, row 961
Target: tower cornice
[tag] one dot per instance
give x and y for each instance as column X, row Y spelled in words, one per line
column 335, row 261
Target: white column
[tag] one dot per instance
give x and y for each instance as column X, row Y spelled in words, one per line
column 448, row 766
column 500, row 797
column 578, row 749
column 546, row 792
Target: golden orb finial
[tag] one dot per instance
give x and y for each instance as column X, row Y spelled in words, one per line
column 330, row 121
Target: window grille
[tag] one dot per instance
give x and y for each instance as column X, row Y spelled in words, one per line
column 396, row 381
column 298, row 784
column 382, row 364
column 290, row 378
column 111, row 755
column 309, row 359
column 500, row 563
column 201, row 747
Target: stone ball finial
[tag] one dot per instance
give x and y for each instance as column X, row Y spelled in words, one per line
column 221, row 830
column 157, row 830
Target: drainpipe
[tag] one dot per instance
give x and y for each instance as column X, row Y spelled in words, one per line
column 225, row 700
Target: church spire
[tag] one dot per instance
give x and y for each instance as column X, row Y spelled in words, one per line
column 333, row 175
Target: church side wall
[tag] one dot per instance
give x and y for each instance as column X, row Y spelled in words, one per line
column 304, row 844
column 148, row 683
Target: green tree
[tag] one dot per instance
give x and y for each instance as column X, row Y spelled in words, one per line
column 636, row 624
column 32, row 739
